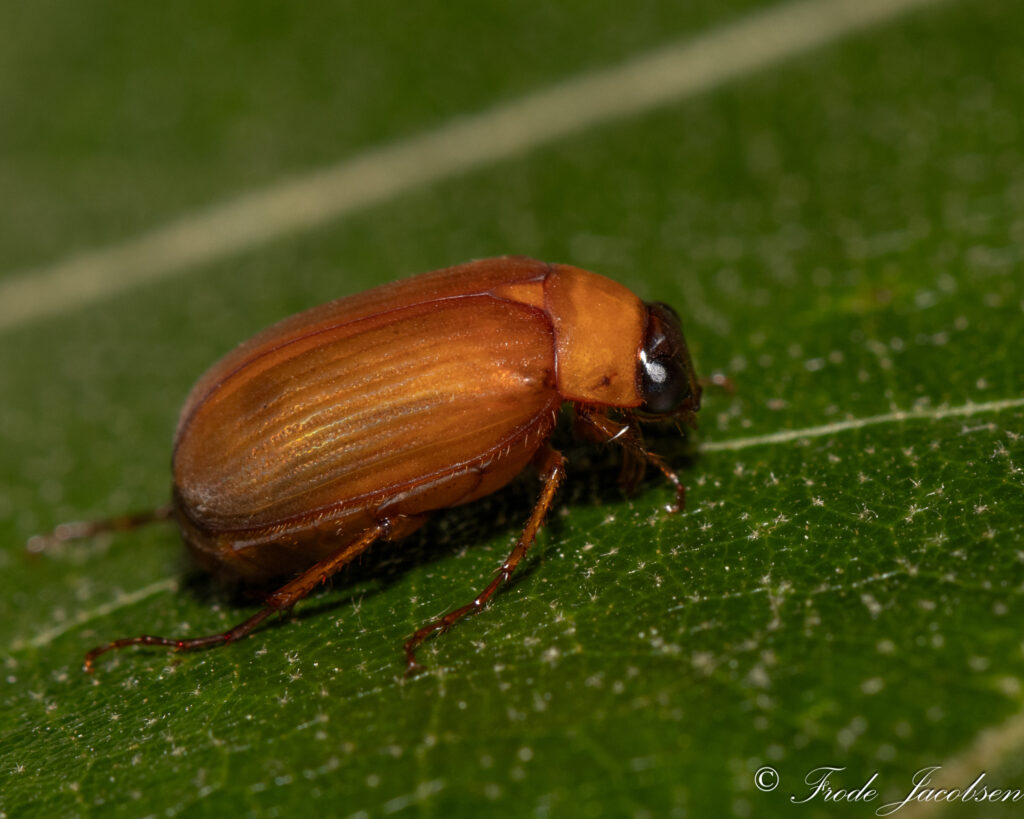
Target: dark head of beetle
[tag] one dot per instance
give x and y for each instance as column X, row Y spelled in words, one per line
column 665, row 375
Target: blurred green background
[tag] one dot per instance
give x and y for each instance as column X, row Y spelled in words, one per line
column 841, row 231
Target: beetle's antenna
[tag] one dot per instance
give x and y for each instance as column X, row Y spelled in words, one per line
column 77, row 530
column 719, row 381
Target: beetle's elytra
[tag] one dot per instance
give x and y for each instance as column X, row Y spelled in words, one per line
column 352, row 422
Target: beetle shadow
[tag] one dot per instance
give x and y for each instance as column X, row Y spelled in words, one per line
column 592, row 479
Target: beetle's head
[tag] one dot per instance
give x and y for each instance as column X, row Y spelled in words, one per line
column 665, row 376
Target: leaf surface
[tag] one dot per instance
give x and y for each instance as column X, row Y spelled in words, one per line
column 842, row 235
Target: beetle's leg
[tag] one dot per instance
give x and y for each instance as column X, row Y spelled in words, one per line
column 284, row 598
column 552, row 473
column 90, row 528
column 628, row 436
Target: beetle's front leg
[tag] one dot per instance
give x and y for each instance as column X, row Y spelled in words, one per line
column 636, row 455
column 552, row 473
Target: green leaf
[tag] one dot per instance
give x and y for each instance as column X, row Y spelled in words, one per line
column 841, row 232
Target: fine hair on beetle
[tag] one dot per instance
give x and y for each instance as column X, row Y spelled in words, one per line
column 352, row 422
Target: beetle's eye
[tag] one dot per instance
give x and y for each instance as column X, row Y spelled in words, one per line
column 665, row 376
column 664, row 383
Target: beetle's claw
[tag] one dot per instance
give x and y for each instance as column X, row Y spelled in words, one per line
column 413, row 669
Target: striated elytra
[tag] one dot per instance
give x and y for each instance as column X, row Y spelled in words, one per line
column 351, row 422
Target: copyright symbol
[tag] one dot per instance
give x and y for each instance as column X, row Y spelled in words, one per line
column 766, row 779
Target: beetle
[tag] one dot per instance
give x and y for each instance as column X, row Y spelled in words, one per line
column 351, row 422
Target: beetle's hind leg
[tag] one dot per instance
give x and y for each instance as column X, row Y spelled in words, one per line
column 78, row 530
column 552, row 473
column 281, row 600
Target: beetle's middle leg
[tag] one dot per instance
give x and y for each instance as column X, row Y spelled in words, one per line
column 282, row 599
column 552, row 473
column 636, row 454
